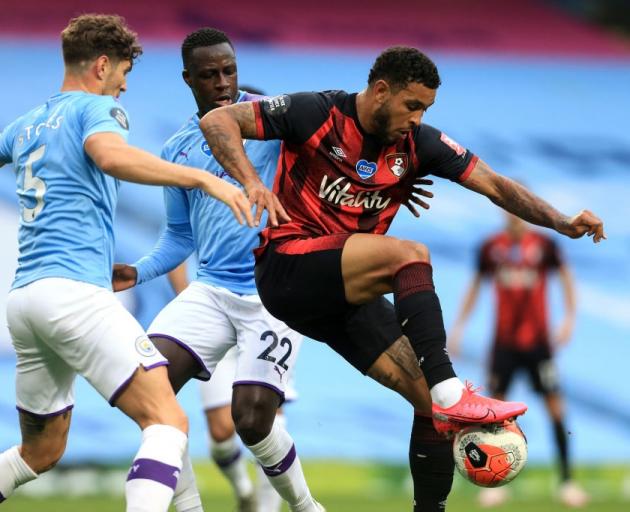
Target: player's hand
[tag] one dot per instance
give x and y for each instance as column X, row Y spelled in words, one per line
column 585, row 223
column 414, row 196
column 232, row 196
column 123, row 277
column 264, row 198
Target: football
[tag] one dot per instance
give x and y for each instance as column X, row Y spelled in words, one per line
column 490, row 455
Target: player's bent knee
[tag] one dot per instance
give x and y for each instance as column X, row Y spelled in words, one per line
column 416, row 251
column 254, row 413
column 407, row 251
column 254, row 423
column 221, row 433
column 177, row 418
column 149, row 400
column 220, row 423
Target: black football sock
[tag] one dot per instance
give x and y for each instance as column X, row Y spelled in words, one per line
column 420, row 315
column 563, row 450
column 432, row 466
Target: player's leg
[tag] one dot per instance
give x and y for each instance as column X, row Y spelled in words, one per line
column 182, row 367
column 267, row 354
column 369, row 337
column 267, row 497
column 430, row 453
column 373, row 328
column 545, row 380
column 149, row 400
column 373, row 265
column 44, row 399
column 96, row 337
column 43, row 443
column 225, row 447
column 100, row 340
column 504, row 364
column 180, row 332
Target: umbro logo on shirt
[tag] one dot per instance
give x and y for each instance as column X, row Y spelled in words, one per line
column 337, row 153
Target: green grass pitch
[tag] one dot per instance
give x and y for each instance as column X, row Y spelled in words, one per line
column 341, row 487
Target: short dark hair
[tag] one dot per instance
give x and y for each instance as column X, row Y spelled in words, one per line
column 400, row 65
column 91, row 35
column 200, row 38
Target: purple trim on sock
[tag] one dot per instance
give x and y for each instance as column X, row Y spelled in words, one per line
column 2, row 498
column 204, row 374
column 224, row 463
column 258, row 383
column 283, row 465
column 124, row 385
column 155, row 470
column 49, row 415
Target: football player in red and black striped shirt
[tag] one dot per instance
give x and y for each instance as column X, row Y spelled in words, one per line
column 348, row 162
column 518, row 261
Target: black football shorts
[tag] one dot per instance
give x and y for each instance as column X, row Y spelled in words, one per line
column 537, row 363
column 300, row 283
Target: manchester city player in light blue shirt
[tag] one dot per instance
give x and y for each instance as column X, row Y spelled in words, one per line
column 69, row 155
column 221, row 308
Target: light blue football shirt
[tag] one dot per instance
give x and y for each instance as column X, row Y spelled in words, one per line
column 66, row 202
column 196, row 221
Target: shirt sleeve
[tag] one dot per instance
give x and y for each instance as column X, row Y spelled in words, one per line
column 104, row 114
column 291, row 117
column 176, row 242
column 441, row 156
column 7, row 137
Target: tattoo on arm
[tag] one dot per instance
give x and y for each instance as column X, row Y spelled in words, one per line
column 244, row 115
column 515, row 198
column 224, row 130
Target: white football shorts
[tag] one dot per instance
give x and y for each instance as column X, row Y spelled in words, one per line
column 208, row 320
column 217, row 392
column 61, row 328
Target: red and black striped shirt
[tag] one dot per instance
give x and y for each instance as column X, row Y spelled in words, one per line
column 519, row 269
column 335, row 178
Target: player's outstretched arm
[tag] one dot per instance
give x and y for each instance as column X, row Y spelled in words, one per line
column 565, row 330
column 516, row 199
column 114, row 156
column 468, row 304
column 224, row 129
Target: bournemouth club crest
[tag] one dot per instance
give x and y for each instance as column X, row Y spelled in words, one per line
column 397, row 163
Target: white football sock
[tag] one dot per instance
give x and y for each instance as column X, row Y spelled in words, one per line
column 186, row 497
column 228, row 457
column 13, row 472
column 276, row 453
column 448, row 392
column 268, row 498
column 153, row 475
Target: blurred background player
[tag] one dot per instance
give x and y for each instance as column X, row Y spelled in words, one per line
column 518, row 262
column 216, row 400
column 221, row 307
column 69, row 155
